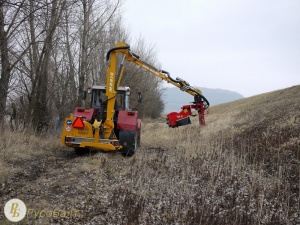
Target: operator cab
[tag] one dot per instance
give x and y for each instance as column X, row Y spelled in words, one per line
column 97, row 100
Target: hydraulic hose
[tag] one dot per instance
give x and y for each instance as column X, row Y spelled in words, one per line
column 168, row 74
column 201, row 96
column 190, row 89
column 114, row 49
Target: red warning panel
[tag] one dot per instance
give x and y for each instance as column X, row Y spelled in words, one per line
column 78, row 123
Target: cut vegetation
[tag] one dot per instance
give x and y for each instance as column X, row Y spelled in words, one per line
column 241, row 168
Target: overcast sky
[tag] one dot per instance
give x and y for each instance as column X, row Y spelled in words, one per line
column 248, row 46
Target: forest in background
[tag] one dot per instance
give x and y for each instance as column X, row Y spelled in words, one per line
column 52, row 50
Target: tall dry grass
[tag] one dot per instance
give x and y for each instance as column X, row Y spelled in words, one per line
column 201, row 179
column 241, row 168
column 18, row 146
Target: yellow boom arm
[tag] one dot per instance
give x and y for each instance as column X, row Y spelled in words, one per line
column 114, row 78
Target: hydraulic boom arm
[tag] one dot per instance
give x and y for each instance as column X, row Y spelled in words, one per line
column 114, row 79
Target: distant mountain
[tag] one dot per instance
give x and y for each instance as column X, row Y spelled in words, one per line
column 174, row 98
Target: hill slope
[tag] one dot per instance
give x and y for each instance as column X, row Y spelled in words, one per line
column 174, row 98
column 267, row 122
column 241, row 168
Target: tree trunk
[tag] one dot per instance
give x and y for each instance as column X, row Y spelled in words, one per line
column 40, row 111
column 5, row 65
column 84, row 53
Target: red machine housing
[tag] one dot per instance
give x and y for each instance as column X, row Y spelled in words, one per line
column 127, row 120
column 182, row 118
column 84, row 113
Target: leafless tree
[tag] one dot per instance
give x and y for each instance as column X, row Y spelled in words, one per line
column 41, row 59
column 97, row 15
column 51, row 50
column 11, row 19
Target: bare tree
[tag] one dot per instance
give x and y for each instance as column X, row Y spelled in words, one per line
column 50, row 50
column 96, row 16
column 5, row 64
column 10, row 21
column 40, row 110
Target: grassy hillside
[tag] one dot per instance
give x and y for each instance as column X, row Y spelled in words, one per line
column 241, row 168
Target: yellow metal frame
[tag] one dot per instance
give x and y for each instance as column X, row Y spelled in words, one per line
column 87, row 133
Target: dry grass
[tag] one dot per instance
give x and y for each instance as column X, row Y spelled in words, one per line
column 20, row 146
column 241, row 168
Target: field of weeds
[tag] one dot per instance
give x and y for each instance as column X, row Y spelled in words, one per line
column 241, row 168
